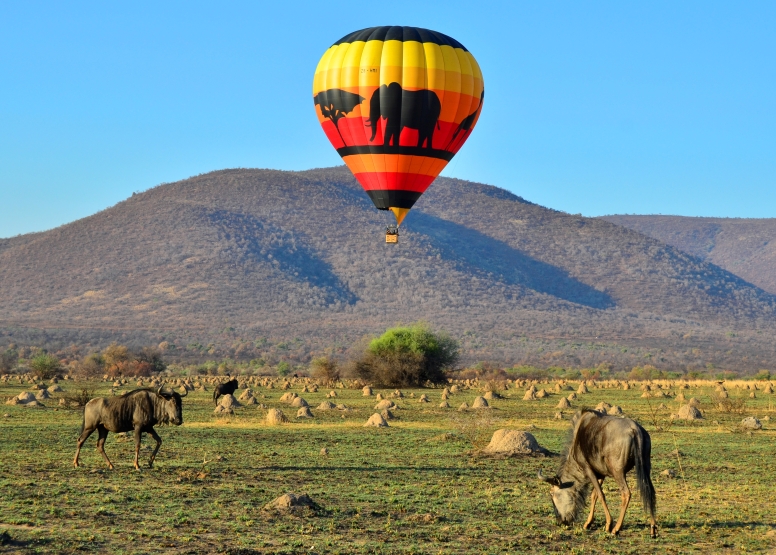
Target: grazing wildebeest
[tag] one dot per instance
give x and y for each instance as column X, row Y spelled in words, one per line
column 139, row 410
column 602, row 446
column 227, row 388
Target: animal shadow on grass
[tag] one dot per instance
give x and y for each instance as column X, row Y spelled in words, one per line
column 10, row 545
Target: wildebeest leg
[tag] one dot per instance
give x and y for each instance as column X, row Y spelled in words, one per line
column 103, row 435
column 597, row 489
column 81, row 439
column 593, row 499
column 619, row 477
column 138, row 439
column 156, row 449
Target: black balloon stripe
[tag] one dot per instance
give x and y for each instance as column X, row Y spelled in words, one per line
column 386, row 199
column 402, row 34
column 409, row 150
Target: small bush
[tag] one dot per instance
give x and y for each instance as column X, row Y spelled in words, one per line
column 283, row 368
column 152, row 357
column 79, row 398
column 730, row 405
column 45, row 366
column 91, row 366
column 325, row 369
column 8, row 360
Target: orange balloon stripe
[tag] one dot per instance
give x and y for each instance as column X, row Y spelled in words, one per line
column 402, row 163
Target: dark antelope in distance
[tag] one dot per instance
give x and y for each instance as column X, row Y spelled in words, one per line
column 227, row 388
column 139, row 410
column 602, row 446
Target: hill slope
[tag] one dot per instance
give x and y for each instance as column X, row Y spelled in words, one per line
column 283, row 264
column 745, row 247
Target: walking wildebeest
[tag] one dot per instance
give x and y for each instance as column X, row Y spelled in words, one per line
column 602, row 446
column 139, row 410
column 227, row 388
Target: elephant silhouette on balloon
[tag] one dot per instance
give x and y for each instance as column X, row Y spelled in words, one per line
column 402, row 108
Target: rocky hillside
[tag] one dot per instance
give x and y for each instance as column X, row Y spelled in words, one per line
column 745, row 247
column 285, row 264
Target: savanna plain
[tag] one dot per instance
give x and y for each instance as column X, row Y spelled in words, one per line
column 421, row 485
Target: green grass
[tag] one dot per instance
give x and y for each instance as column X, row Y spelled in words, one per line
column 395, row 490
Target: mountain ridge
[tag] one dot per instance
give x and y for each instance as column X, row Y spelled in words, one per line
column 743, row 246
column 247, row 260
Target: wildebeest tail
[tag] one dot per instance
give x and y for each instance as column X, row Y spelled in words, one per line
column 644, row 471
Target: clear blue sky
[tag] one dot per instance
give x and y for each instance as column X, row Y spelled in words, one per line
column 592, row 107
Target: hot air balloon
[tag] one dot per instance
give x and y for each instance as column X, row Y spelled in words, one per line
column 397, row 103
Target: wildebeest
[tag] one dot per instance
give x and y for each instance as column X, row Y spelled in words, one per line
column 602, row 446
column 139, row 410
column 227, row 388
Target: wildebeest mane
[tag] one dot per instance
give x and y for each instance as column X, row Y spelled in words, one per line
column 570, row 435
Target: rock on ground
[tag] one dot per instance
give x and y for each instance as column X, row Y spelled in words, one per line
column 751, row 423
column 228, row 401
column 288, row 397
column 25, row 397
column 299, row 402
column 275, row 416
column 563, row 404
column 290, row 502
column 385, row 404
column 377, row 421
column 513, row 442
column 327, row 405
column 304, row 412
column 245, row 395
column 688, row 412
column 479, row 403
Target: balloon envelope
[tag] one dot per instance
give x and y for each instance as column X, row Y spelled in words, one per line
column 397, row 103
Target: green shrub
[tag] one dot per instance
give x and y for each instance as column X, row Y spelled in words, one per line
column 283, row 368
column 45, row 366
column 407, row 356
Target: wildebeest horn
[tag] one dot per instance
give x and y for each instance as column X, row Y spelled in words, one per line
column 544, row 478
column 159, row 391
column 187, row 392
